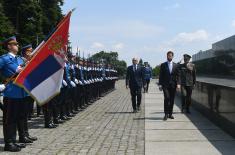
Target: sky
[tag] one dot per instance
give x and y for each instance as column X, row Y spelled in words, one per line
column 147, row 29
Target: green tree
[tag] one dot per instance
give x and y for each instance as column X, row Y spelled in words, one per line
column 52, row 14
column 141, row 62
column 156, row 71
column 111, row 58
column 6, row 28
column 30, row 25
column 33, row 20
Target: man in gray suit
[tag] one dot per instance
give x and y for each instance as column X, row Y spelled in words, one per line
column 135, row 81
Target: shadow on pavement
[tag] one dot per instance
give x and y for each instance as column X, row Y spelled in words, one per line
column 121, row 112
column 148, row 118
column 217, row 137
column 36, row 123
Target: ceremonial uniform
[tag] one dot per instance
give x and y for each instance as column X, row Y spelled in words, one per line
column 71, row 85
column 81, row 87
column 28, row 103
column 74, row 93
column 13, row 97
column 147, row 76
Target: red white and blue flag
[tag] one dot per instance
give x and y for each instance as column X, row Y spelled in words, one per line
column 43, row 75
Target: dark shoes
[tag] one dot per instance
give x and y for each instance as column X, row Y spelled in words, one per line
column 12, row 147
column 32, row 138
column 64, row 118
column 138, row 108
column 70, row 115
column 134, row 111
column 50, row 126
column 20, row 145
column 58, row 121
column 74, row 112
column 170, row 116
column 165, row 118
column 25, row 140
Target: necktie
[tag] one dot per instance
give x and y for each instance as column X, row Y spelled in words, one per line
column 135, row 68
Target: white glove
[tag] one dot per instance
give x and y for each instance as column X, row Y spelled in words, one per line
column 19, row 69
column 2, row 87
column 65, row 83
column 160, row 87
column 73, row 84
column 72, row 67
column 76, row 81
column 80, row 82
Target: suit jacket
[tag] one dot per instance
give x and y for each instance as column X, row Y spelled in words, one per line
column 135, row 79
column 167, row 79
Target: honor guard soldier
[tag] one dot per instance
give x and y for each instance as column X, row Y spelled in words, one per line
column 82, row 83
column 74, row 90
column 26, row 54
column 13, row 96
column 103, row 76
column 187, row 81
column 86, row 81
column 28, row 100
column 147, row 76
column 71, row 86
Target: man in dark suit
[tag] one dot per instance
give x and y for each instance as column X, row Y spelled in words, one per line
column 168, row 82
column 134, row 81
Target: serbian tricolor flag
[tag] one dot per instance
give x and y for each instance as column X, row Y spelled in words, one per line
column 42, row 77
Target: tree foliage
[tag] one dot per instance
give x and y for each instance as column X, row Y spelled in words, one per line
column 156, row 71
column 30, row 20
column 6, row 27
column 111, row 58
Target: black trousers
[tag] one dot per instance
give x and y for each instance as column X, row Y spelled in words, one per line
column 186, row 93
column 146, row 87
column 14, row 113
column 136, row 93
column 169, row 97
column 28, row 103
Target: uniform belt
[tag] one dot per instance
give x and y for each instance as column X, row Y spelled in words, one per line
column 7, row 80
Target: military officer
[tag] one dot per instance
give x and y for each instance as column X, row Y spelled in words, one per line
column 80, row 76
column 74, row 90
column 71, row 86
column 28, row 100
column 187, row 81
column 147, row 76
column 13, row 95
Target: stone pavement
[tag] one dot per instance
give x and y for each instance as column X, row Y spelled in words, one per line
column 185, row 135
column 108, row 126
